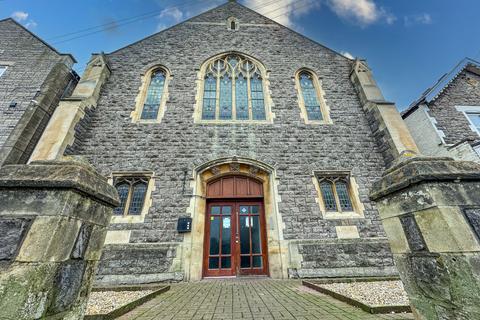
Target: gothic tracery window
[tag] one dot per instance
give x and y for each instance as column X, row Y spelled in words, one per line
column 153, row 97
column 233, row 90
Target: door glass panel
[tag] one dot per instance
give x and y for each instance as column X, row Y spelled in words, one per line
column 254, row 209
column 214, row 235
column 227, row 211
column 243, row 209
column 257, row 261
column 226, row 263
column 244, row 235
column 213, row 263
column 255, row 225
column 245, row 262
column 226, row 235
column 215, row 210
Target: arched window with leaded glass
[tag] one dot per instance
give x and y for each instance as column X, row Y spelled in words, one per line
column 234, row 89
column 153, row 96
column 132, row 193
column 335, row 193
column 311, row 101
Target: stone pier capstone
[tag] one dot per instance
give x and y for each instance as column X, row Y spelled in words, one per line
column 430, row 209
column 53, row 219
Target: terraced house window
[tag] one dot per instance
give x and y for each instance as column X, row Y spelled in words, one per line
column 474, row 119
column 335, row 193
column 312, row 104
column 153, row 96
column 132, row 192
column 233, row 90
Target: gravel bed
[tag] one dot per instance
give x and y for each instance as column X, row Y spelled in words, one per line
column 103, row 302
column 374, row 293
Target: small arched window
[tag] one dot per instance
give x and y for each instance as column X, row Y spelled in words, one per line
column 132, row 193
column 311, row 99
column 233, row 90
column 232, row 23
column 335, row 194
column 152, row 97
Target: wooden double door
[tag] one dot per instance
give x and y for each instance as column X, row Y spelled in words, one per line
column 235, row 238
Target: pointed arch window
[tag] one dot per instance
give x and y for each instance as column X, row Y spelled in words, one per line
column 335, row 192
column 233, row 90
column 132, row 192
column 153, row 96
column 312, row 103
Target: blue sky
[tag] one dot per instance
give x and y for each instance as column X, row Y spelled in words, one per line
column 409, row 44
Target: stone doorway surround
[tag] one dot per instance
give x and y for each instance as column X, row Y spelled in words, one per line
column 193, row 243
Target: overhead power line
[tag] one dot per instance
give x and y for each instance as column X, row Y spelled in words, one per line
column 125, row 21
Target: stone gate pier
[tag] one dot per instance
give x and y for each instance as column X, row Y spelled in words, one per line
column 53, row 219
column 430, row 209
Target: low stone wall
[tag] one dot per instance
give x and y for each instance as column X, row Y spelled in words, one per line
column 137, row 263
column 341, row 258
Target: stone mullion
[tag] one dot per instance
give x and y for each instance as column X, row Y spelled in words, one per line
column 234, row 94
column 129, row 199
column 249, row 94
column 335, row 194
column 217, row 94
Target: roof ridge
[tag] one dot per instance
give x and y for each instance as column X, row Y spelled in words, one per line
column 234, row 2
column 38, row 38
column 432, row 93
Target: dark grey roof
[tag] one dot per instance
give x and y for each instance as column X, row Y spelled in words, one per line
column 433, row 92
column 38, row 38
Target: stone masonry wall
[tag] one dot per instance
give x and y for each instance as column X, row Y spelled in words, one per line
column 28, row 61
column 459, row 93
column 176, row 145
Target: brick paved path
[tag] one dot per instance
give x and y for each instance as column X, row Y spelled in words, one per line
column 248, row 299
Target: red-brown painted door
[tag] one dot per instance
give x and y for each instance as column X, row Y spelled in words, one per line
column 235, row 239
column 251, row 239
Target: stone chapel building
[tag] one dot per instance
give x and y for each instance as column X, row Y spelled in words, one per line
column 237, row 147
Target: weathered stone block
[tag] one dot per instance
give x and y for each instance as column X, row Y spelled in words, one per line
column 436, row 201
column 57, row 253
column 12, row 232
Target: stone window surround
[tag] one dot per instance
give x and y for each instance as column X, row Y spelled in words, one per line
column 229, row 23
column 324, row 108
column 469, row 109
column 150, row 176
column 358, row 207
column 142, row 94
column 268, row 103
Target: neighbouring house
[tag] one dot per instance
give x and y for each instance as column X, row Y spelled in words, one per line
column 33, row 78
column 445, row 120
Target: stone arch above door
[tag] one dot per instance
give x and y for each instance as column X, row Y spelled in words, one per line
column 213, row 170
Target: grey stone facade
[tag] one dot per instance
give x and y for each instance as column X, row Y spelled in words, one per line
column 174, row 147
column 35, row 71
column 437, row 125
column 463, row 91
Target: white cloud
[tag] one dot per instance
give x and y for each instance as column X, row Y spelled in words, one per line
column 348, row 55
column 20, row 15
column 364, row 12
column 411, row 20
column 31, row 24
column 282, row 11
column 173, row 13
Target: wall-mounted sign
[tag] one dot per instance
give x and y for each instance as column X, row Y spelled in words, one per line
column 184, row 225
